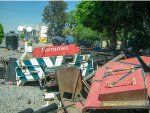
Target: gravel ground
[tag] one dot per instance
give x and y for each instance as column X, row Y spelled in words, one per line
column 14, row 99
column 17, row 98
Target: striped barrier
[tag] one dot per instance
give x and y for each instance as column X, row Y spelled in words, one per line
column 34, row 68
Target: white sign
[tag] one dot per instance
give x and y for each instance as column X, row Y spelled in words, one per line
column 21, row 28
column 29, row 29
column 44, row 29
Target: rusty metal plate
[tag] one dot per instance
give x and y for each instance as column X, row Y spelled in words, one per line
column 69, row 82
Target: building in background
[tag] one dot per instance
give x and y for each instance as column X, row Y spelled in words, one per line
column 39, row 32
column 21, row 29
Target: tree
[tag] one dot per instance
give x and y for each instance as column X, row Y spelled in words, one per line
column 135, row 24
column 131, row 19
column 1, row 33
column 54, row 16
column 116, row 19
column 71, row 19
column 70, row 23
column 22, row 36
column 100, row 16
column 85, row 33
column 139, row 40
column 74, row 27
column 68, row 31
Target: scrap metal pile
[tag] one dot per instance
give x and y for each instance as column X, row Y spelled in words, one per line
column 46, row 61
column 122, row 83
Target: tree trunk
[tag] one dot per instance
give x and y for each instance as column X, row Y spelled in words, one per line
column 146, row 24
column 125, row 37
column 146, row 21
column 113, row 39
column 101, row 42
column 107, row 44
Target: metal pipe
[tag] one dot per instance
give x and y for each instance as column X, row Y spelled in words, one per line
column 48, row 108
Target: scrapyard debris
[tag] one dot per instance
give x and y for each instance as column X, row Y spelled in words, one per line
column 71, row 86
column 28, row 110
column 123, row 93
column 43, row 68
column 25, row 69
column 47, row 103
column 48, row 51
column 3, row 67
column 4, row 82
column 86, row 81
column 48, row 96
column 11, row 75
column 48, row 109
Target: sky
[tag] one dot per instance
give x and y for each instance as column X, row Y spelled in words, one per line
column 16, row 13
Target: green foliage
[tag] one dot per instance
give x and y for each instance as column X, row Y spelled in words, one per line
column 139, row 40
column 84, row 33
column 22, row 36
column 100, row 16
column 54, row 16
column 116, row 20
column 74, row 27
column 71, row 19
column 68, row 31
column 1, row 33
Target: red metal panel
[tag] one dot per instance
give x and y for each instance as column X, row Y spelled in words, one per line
column 146, row 59
column 125, row 84
column 92, row 100
column 117, row 66
column 148, row 82
column 99, row 85
column 131, row 60
column 55, row 50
